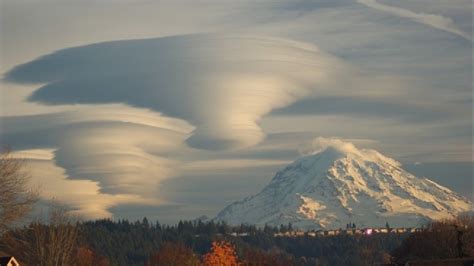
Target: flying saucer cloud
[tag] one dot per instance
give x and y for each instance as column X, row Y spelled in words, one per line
column 221, row 84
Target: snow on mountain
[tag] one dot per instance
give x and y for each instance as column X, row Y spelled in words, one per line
column 342, row 184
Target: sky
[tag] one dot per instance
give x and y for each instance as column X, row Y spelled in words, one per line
column 175, row 109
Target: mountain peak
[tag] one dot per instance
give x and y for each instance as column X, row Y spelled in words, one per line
column 337, row 183
column 333, row 148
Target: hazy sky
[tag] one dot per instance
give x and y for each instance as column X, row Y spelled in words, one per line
column 174, row 109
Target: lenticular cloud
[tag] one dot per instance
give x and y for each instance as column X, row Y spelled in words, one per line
column 221, row 84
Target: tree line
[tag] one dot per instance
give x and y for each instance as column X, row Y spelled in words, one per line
column 107, row 242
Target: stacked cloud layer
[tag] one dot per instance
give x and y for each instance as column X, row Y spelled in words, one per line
column 97, row 157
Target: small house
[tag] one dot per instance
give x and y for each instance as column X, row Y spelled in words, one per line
column 8, row 261
column 299, row 233
column 401, row 230
column 350, row 232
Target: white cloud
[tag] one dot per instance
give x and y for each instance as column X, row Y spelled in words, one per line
column 320, row 144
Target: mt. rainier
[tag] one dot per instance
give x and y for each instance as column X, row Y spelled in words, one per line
column 342, row 184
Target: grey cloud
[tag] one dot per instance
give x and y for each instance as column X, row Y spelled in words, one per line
column 225, row 186
column 363, row 107
column 191, row 196
column 454, row 175
column 459, row 11
column 165, row 214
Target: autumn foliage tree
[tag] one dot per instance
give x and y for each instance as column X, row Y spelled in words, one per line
column 174, row 254
column 222, row 254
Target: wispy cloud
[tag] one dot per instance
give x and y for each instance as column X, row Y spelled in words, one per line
column 435, row 21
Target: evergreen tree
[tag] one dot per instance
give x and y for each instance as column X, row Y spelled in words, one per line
column 290, row 227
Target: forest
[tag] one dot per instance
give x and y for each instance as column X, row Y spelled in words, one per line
column 140, row 239
column 108, row 242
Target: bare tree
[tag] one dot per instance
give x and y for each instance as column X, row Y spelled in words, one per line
column 447, row 239
column 16, row 198
column 52, row 243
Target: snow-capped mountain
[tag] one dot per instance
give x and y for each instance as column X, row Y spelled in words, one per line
column 342, row 185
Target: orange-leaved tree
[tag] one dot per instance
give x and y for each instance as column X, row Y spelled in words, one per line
column 222, row 254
